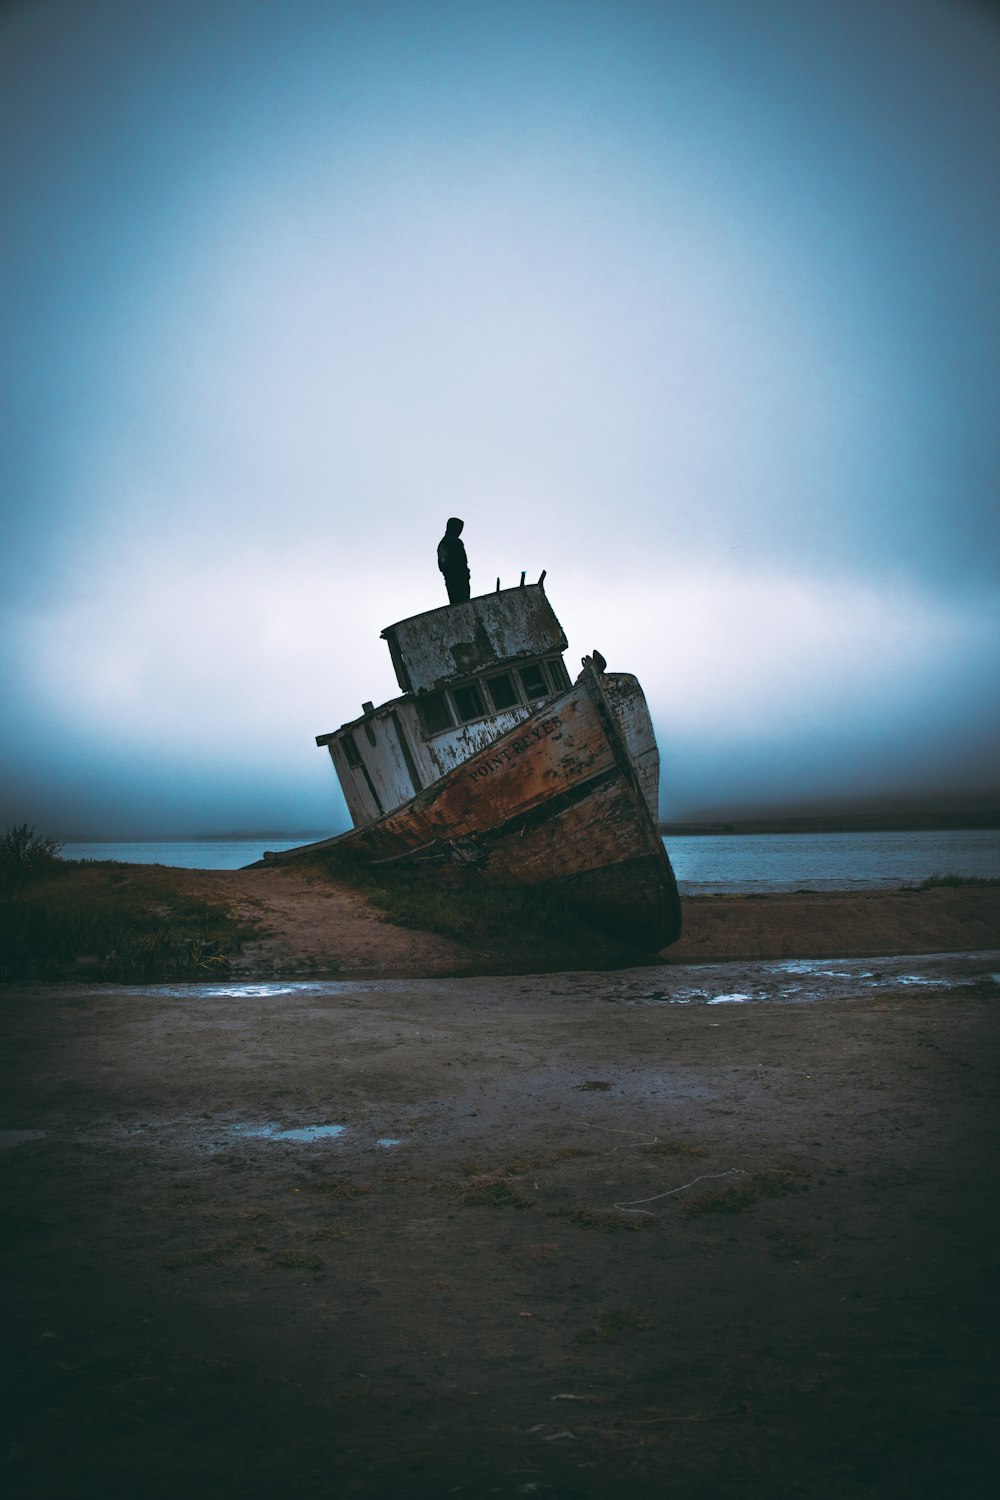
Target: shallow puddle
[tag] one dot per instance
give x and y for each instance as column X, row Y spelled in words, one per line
column 740, row 982
column 264, row 989
column 799, row 981
column 297, row 1133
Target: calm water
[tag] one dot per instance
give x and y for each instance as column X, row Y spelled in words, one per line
column 713, row 862
column 192, row 854
column 829, row 861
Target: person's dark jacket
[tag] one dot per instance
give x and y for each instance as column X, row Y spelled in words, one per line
column 453, row 562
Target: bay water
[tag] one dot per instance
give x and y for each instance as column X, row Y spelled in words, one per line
column 185, row 854
column 761, row 862
column 704, row 865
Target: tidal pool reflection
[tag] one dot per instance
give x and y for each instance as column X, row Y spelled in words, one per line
column 298, row 1133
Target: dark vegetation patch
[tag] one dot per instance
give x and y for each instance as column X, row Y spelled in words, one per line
column 934, row 882
column 497, row 1187
column 751, row 1190
column 608, row 1220
column 336, row 1189
column 491, row 1190
column 520, row 1165
column 24, row 856
column 459, row 904
column 676, row 1148
column 72, row 919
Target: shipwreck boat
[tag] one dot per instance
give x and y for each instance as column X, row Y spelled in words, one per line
column 492, row 759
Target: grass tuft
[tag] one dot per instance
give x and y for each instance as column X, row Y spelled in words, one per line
column 491, row 1190
column 676, row 1148
column 734, row 1200
column 100, row 921
column 24, row 856
column 935, row 882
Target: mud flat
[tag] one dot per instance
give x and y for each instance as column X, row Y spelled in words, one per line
column 670, row 1231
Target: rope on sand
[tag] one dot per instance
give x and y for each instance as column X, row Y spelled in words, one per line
column 630, row 1208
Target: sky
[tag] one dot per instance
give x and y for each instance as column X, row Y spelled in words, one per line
column 693, row 303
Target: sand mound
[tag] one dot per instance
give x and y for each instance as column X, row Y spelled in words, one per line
column 309, row 925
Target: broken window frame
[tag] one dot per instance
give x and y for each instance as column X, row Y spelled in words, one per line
column 507, row 678
column 468, row 702
column 529, row 696
column 443, row 719
column 476, row 698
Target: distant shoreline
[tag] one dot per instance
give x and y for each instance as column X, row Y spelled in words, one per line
column 942, row 823
column 984, row 822
column 197, row 838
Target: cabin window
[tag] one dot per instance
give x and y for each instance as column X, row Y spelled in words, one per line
column 351, row 752
column 435, row 715
column 502, row 691
column 533, row 682
column 469, row 702
column 558, row 673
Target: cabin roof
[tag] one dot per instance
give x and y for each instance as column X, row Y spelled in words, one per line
column 382, row 710
column 432, row 649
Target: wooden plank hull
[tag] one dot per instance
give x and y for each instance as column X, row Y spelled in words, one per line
column 555, row 802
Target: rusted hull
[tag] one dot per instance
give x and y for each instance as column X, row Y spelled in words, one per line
column 556, row 802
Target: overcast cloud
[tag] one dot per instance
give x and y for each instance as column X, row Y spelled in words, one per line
column 694, row 305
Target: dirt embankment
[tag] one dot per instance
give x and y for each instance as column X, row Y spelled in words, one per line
column 128, row 923
column 308, row 925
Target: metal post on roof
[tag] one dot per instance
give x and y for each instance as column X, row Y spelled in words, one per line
column 521, row 584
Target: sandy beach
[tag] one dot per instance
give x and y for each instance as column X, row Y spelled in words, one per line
column 373, row 1218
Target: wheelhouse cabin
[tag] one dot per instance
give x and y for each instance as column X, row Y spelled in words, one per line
column 469, row 674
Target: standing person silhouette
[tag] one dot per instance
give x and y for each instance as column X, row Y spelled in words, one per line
column 453, row 562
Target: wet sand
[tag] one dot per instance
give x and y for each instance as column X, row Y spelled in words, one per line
column 723, row 1230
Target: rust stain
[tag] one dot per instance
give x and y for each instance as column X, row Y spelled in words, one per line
column 550, row 801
